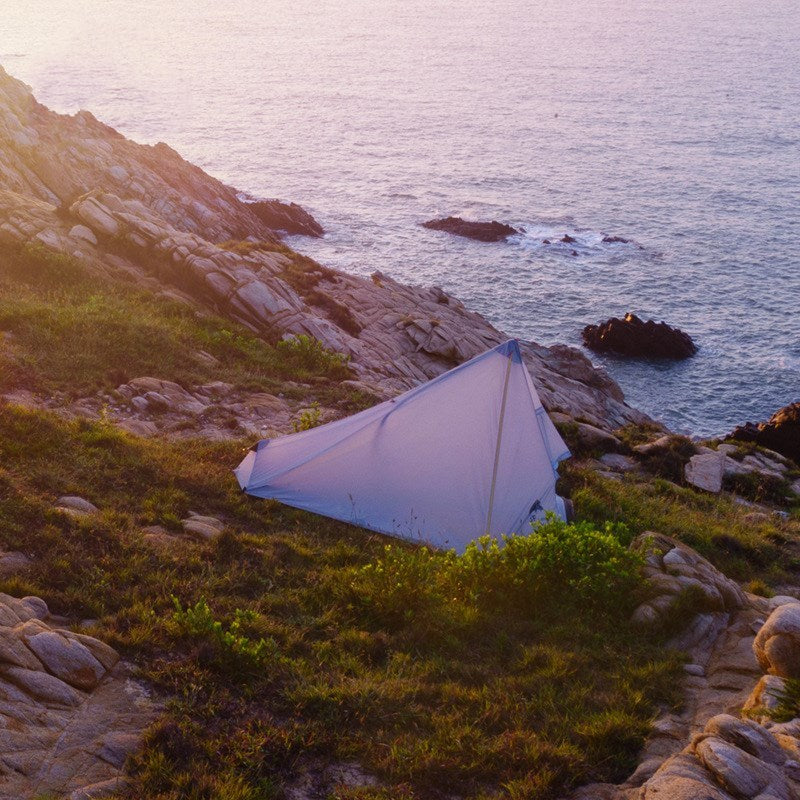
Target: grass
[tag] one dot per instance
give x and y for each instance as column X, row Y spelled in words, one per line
column 293, row 640
column 715, row 525
column 74, row 334
column 284, row 641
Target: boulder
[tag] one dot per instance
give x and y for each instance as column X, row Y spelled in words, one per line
column 633, row 337
column 706, row 470
column 480, row 231
column 67, row 659
column 13, row 562
column 83, row 233
column 615, row 240
column 591, row 437
column 618, row 462
column 741, row 773
column 777, row 644
column 781, row 432
column 41, row 686
column 672, row 568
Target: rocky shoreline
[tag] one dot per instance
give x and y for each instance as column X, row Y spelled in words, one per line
column 144, row 215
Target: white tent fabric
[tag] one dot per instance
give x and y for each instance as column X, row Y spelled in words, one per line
column 468, row 453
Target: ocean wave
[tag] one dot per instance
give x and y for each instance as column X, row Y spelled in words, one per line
column 560, row 237
column 789, row 361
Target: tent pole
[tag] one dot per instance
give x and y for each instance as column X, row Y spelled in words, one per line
column 497, row 446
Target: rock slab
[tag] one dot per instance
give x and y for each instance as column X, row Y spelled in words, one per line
column 70, row 711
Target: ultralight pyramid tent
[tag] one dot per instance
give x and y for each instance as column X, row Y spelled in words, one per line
column 469, row 453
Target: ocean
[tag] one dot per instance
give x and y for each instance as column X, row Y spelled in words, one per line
column 674, row 125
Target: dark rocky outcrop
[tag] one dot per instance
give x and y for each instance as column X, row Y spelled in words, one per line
column 633, row 337
column 288, row 217
column 480, row 231
column 567, row 239
column 615, row 240
column 780, row 433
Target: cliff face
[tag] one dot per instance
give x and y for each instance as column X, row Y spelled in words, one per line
column 144, row 214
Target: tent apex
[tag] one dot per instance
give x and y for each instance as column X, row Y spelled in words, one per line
column 510, row 349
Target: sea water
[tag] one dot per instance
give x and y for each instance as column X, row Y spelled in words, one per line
column 673, row 125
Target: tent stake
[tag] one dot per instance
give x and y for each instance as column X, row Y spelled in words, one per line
column 497, row 446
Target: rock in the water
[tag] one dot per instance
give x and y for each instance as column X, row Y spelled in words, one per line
column 288, row 217
column 633, row 337
column 481, row 231
column 780, row 433
column 615, row 240
column 777, row 644
column 567, row 239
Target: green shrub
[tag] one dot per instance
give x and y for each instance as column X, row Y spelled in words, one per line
column 231, row 644
column 311, row 354
column 309, row 418
column 759, row 487
column 557, row 564
column 555, row 568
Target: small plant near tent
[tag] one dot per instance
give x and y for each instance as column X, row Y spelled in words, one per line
column 311, row 354
column 230, row 643
column 570, row 564
column 309, row 418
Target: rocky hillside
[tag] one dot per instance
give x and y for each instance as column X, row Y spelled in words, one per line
column 145, row 215
column 164, row 636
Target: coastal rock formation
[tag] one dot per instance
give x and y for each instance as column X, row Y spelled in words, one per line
column 480, row 231
column 780, row 433
column 777, row 645
column 143, row 214
column 721, row 745
column 70, row 710
column 288, row 217
column 633, row 337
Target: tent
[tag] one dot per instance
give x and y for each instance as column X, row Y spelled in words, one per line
column 469, row 453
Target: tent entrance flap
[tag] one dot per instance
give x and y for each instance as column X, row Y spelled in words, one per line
column 438, row 464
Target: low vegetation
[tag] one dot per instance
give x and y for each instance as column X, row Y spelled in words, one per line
column 69, row 332
column 744, row 545
column 293, row 638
